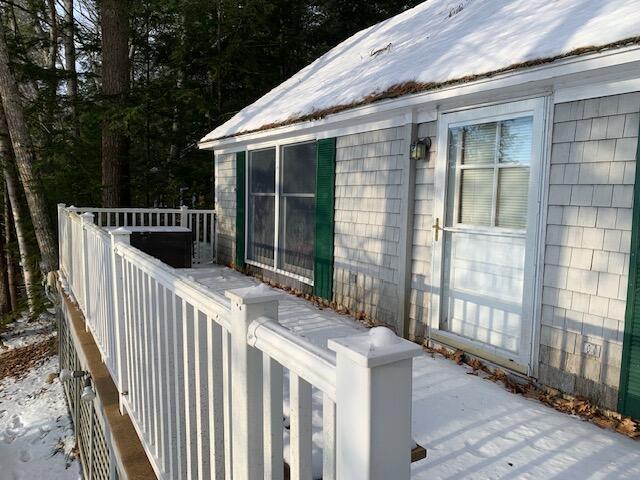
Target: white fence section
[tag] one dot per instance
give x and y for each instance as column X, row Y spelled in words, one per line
column 203, row 377
column 201, row 223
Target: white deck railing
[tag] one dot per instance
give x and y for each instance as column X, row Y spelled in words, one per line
column 200, row 222
column 203, row 377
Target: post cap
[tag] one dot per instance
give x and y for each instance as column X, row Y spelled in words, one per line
column 87, row 216
column 379, row 346
column 252, row 295
column 119, row 231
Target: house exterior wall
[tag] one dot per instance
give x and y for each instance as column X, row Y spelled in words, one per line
column 422, row 236
column 369, row 176
column 587, row 245
column 586, row 251
column 225, row 204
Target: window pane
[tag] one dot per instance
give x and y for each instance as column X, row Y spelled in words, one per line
column 513, row 187
column 297, row 227
column 262, row 222
column 516, row 140
column 479, row 144
column 476, row 195
column 299, row 168
column 262, row 171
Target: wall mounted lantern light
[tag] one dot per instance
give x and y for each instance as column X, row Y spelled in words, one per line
column 419, row 148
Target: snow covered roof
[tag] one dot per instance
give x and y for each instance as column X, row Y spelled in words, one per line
column 439, row 41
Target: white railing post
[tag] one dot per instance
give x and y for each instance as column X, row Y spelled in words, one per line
column 247, row 305
column 373, row 399
column 61, row 240
column 119, row 235
column 184, row 216
column 84, row 219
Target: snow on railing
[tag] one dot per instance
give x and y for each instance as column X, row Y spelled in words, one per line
column 204, row 377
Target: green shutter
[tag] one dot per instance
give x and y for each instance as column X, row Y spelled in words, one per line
column 629, row 396
column 240, row 207
column 323, row 245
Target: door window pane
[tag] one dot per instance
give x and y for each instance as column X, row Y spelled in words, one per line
column 297, row 221
column 262, row 222
column 476, row 195
column 479, row 144
column 516, row 140
column 299, row 168
column 262, row 171
column 513, row 188
column 491, row 164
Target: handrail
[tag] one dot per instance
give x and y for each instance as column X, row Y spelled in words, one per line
column 310, row 362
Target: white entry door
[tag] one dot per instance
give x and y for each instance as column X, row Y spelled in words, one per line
column 487, row 197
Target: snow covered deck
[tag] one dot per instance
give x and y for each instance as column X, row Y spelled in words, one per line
column 471, row 427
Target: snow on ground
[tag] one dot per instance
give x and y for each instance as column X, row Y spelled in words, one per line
column 436, row 41
column 470, row 426
column 36, row 435
column 21, row 332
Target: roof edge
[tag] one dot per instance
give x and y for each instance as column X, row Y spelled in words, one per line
column 412, row 87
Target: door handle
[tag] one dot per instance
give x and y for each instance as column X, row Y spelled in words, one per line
column 436, row 229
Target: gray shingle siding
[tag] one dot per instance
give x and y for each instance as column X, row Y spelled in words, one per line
column 225, row 204
column 367, row 218
column 587, row 245
column 422, row 236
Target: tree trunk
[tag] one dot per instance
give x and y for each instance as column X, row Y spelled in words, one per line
column 70, row 63
column 5, row 300
column 11, row 268
column 25, row 157
column 6, row 153
column 115, row 86
column 53, row 37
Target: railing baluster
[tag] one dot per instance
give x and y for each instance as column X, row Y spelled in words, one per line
column 153, row 363
column 166, row 321
column 328, row 438
column 178, row 367
column 273, row 444
column 300, row 460
column 188, row 345
column 201, row 393
column 228, row 405
column 216, row 391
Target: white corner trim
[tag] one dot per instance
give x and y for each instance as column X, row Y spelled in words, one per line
column 571, row 94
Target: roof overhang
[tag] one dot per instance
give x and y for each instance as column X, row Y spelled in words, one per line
column 615, row 70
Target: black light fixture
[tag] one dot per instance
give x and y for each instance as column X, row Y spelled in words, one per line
column 419, row 148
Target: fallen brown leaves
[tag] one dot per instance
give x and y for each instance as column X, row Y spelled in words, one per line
column 577, row 406
column 17, row 362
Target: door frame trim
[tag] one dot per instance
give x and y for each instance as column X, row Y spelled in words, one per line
column 538, row 107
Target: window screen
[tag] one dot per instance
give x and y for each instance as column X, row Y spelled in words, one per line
column 262, row 206
column 297, row 208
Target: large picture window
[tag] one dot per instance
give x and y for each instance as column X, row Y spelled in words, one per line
column 281, row 213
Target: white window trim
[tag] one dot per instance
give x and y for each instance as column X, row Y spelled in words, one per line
column 278, row 149
column 534, row 107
